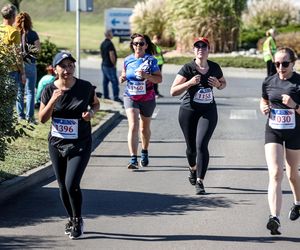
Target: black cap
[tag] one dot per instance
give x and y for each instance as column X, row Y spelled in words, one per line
column 62, row 56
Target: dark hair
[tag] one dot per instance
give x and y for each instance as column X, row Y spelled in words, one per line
column 151, row 47
column 289, row 51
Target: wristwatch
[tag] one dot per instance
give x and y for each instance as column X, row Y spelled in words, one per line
column 296, row 107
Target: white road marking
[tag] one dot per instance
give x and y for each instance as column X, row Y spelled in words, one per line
column 240, row 114
column 155, row 113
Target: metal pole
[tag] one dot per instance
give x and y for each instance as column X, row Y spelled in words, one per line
column 78, row 38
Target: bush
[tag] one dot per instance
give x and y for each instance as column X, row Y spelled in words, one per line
column 8, row 92
column 48, row 50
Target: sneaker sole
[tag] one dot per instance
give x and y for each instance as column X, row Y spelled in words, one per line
column 75, row 238
column 131, row 166
column 273, row 227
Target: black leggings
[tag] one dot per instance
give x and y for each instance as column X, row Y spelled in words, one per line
column 198, row 127
column 68, row 171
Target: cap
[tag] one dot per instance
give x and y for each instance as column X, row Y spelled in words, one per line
column 62, row 56
column 201, row 39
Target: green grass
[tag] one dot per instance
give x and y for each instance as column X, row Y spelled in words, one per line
column 230, row 61
column 29, row 152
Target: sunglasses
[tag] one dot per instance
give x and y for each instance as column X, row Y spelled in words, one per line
column 200, row 45
column 138, row 43
column 284, row 64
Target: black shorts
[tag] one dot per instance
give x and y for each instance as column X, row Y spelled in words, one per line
column 291, row 137
column 146, row 108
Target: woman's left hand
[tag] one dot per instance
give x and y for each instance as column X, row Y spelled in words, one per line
column 288, row 101
column 214, row 82
column 87, row 115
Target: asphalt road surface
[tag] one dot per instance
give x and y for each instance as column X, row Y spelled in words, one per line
column 155, row 207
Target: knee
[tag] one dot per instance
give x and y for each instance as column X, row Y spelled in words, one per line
column 276, row 176
column 293, row 177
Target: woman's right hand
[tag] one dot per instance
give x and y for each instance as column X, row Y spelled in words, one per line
column 195, row 80
column 56, row 94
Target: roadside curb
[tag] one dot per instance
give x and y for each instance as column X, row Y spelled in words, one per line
column 34, row 176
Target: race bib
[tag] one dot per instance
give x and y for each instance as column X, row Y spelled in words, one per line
column 282, row 119
column 136, row 87
column 203, row 95
column 65, row 128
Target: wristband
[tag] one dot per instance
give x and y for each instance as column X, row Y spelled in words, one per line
column 92, row 113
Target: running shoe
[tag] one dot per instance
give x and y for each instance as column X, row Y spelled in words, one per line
column 294, row 213
column 68, row 226
column 192, row 177
column 199, row 187
column 273, row 225
column 133, row 163
column 144, row 158
column 77, row 229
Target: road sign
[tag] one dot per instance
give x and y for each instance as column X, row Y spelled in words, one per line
column 117, row 20
column 85, row 5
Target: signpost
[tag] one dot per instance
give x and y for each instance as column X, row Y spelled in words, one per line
column 117, row 20
column 78, row 5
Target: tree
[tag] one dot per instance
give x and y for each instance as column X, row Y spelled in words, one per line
column 16, row 3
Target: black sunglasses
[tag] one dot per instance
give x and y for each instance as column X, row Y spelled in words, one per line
column 284, row 64
column 138, row 43
column 200, row 45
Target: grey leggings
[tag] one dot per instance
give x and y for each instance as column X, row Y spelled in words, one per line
column 198, row 127
column 68, row 171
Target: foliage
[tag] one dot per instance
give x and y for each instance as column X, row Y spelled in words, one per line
column 250, row 37
column 226, row 61
column 16, row 3
column 32, row 150
column 145, row 19
column 8, row 90
column 265, row 14
column 215, row 19
column 48, row 50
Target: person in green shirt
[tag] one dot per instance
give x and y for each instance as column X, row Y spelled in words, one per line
column 269, row 50
column 160, row 61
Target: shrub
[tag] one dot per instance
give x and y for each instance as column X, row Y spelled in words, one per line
column 8, row 92
column 48, row 50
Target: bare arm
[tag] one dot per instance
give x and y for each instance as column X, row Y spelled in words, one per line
column 88, row 115
column 112, row 57
column 264, row 106
column 181, row 84
column 45, row 111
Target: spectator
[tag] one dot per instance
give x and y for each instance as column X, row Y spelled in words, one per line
column 30, row 46
column 160, row 61
column 269, row 50
column 45, row 80
column 11, row 37
column 109, row 66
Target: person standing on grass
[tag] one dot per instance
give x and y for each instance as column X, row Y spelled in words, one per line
column 30, row 45
column 70, row 103
column 12, row 38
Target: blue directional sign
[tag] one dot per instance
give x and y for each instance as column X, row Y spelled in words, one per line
column 117, row 20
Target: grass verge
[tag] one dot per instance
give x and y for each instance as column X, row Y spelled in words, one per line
column 31, row 151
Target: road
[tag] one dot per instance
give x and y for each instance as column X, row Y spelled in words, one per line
column 156, row 207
